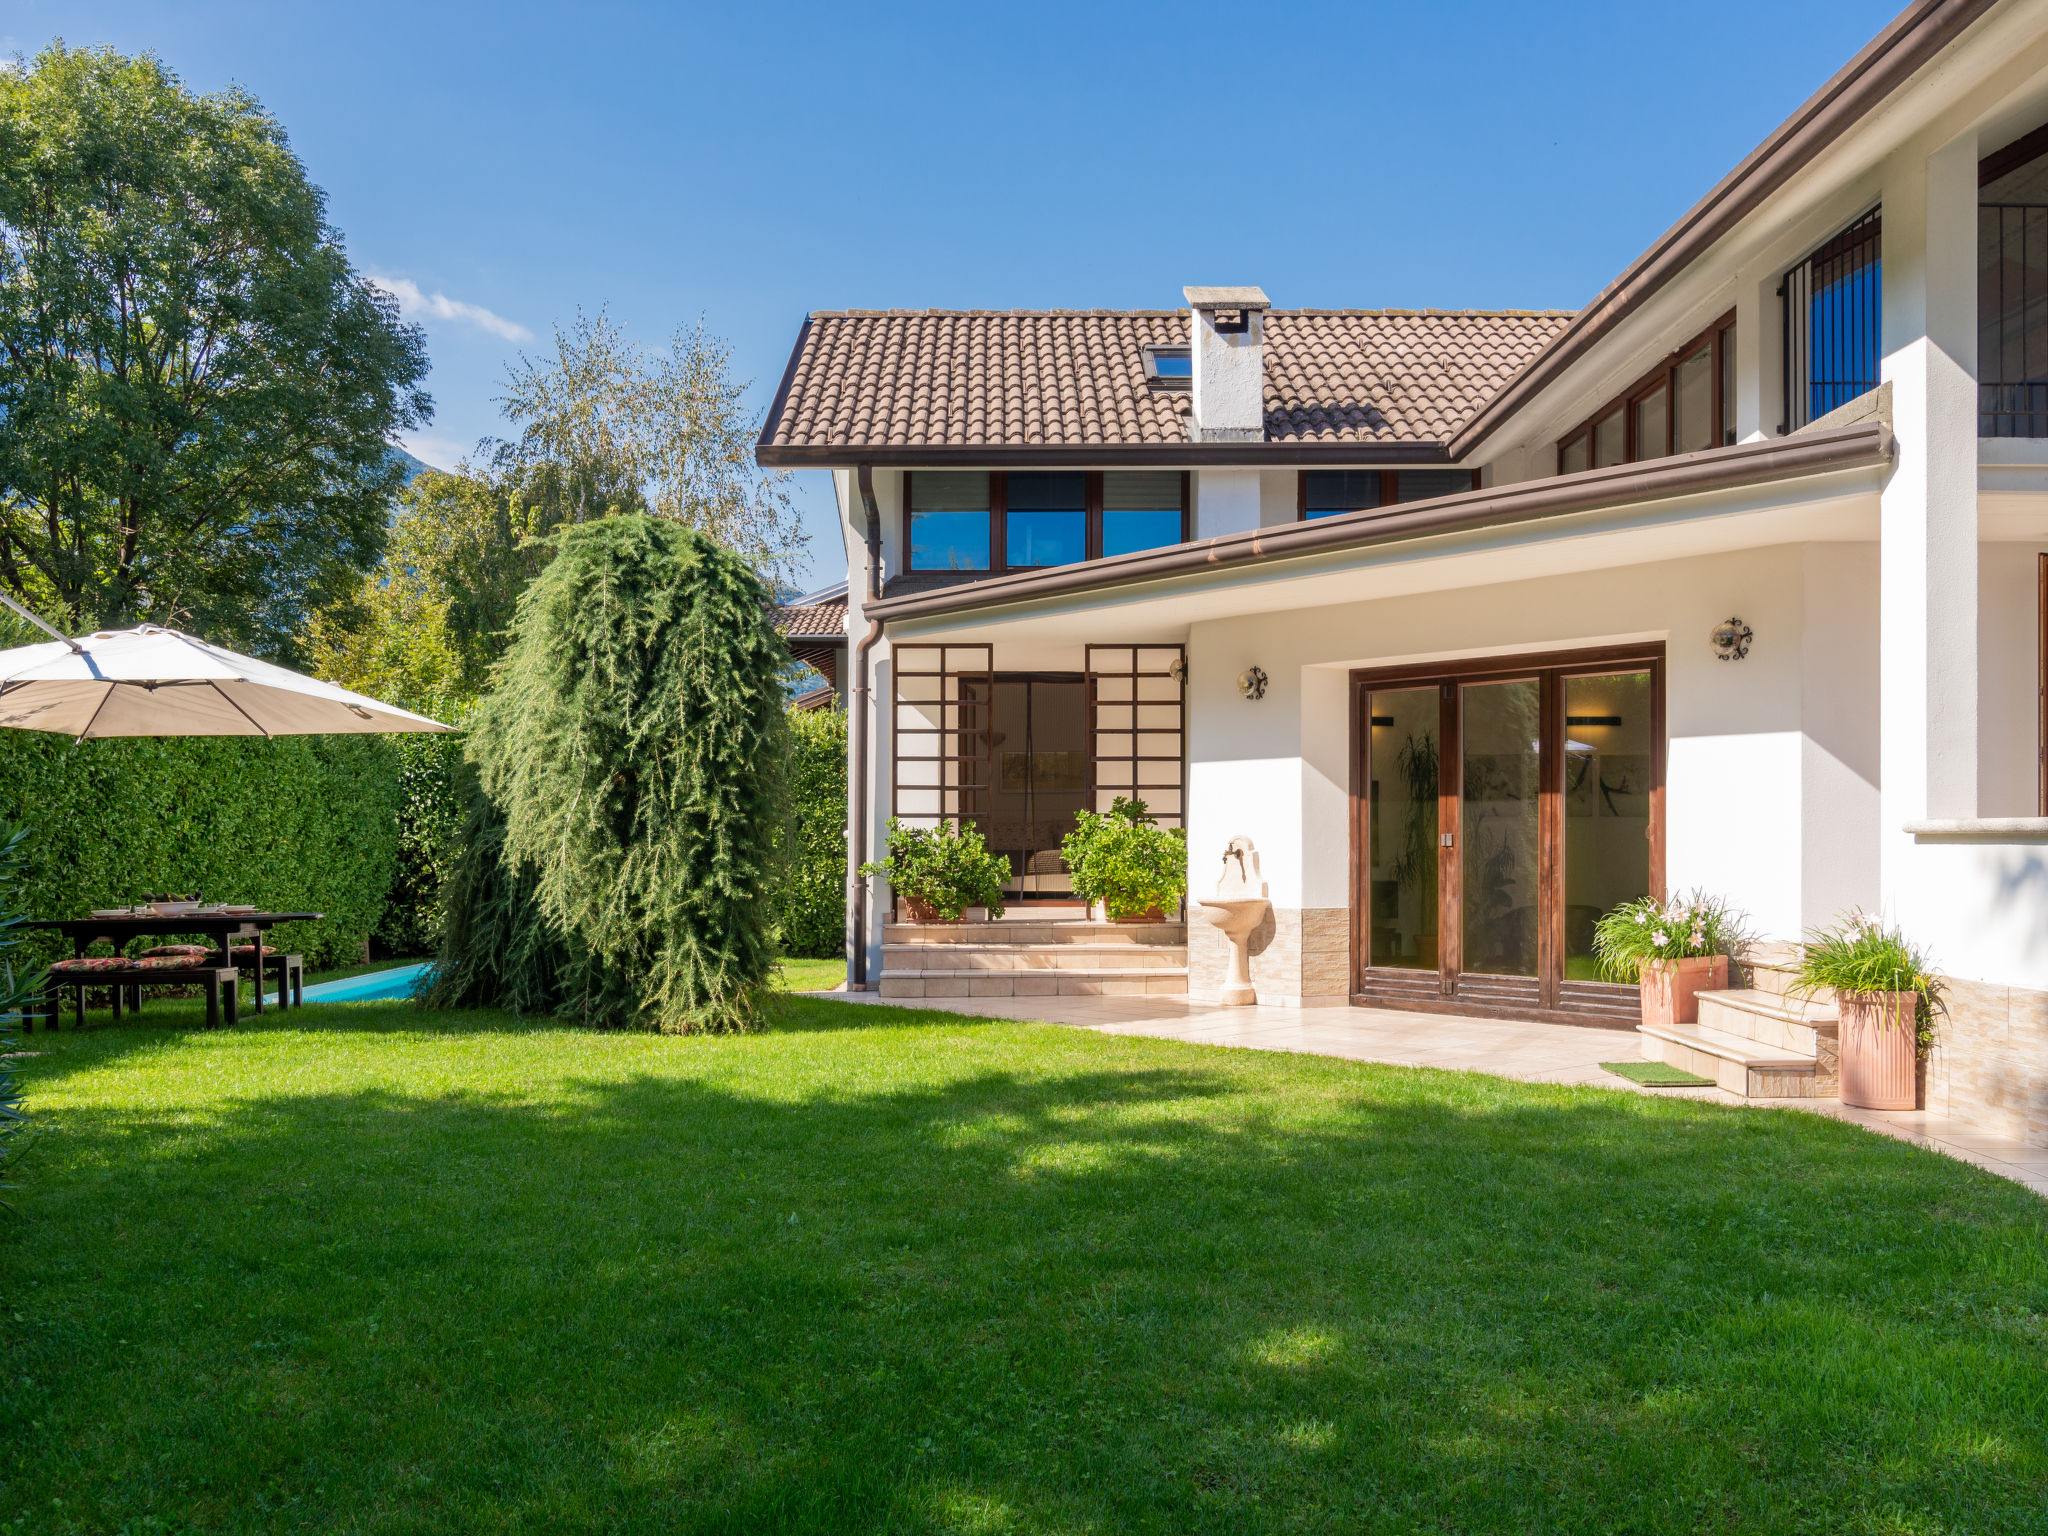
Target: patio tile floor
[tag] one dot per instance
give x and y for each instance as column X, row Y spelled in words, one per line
column 1537, row 1053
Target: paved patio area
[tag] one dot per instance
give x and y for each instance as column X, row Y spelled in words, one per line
column 1537, row 1053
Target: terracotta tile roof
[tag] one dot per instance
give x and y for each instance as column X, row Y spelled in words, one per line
column 929, row 378
column 799, row 620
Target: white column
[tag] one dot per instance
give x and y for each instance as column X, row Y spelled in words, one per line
column 1928, row 517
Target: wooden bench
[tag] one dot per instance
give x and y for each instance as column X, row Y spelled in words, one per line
column 289, row 970
column 127, row 981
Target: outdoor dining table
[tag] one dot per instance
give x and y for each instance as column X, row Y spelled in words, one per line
column 221, row 927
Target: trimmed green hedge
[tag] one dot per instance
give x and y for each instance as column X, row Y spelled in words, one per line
column 812, row 922
column 430, row 814
column 301, row 823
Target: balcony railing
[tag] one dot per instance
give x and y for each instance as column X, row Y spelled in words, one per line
column 1833, row 323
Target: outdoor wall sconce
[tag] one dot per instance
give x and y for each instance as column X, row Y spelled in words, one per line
column 1251, row 682
column 1730, row 640
column 1179, row 670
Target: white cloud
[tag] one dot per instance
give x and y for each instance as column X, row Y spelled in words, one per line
column 415, row 305
column 435, row 450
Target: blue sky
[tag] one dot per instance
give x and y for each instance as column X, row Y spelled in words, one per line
column 503, row 164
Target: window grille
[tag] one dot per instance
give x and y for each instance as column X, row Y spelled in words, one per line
column 2012, row 320
column 1834, row 323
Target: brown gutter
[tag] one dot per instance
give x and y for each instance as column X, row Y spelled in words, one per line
column 863, row 689
column 1100, row 455
column 1915, row 36
column 1861, row 446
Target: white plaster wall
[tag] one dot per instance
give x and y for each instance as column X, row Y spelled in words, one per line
column 2007, row 683
column 1226, row 501
column 1839, row 826
column 1740, row 755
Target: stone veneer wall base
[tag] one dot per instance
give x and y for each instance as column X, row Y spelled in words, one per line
column 1989, row 1065
column 1301, row 958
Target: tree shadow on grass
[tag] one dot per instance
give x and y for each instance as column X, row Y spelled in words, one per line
column 1067, row 1284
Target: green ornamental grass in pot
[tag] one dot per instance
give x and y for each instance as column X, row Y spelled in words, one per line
column 1673, row 950
column 939, row 872
column 1886, row 996
column 1124, row 859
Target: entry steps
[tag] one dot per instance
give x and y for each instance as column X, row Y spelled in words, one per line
column 1024, row 954
column 1759, row 1041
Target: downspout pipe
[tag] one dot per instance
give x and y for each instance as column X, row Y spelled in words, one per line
column 857, row 843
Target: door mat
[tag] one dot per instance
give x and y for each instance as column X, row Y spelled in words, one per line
column 1656, row 1074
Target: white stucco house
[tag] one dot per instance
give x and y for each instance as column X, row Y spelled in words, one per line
column 1478, row 623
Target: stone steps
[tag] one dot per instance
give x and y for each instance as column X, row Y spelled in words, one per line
column 1762, row 1041
column 1769, row 1018
column 1736, row 1063
column 1153, row 981
column 1030, row 955
column 1033, row 957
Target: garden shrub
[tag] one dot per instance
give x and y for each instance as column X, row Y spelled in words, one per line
column 1124, row 859
column 499, row 949
column 19, row 986
column 635, row 747
column 298, row 823
column 812, row 919
column 430, row 820
column 948, row 866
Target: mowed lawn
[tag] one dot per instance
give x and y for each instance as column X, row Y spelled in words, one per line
column 371, row 1270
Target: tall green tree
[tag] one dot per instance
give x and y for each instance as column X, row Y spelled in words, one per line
column 635, row 746
column 197, row 392
column 606, row 426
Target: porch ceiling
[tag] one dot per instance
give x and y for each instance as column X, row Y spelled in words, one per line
column 1842, row 507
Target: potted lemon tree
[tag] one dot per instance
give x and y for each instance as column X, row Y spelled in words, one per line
column 1123, row 858
column 1886, row 995
column 939, row 872
column 1673, row 950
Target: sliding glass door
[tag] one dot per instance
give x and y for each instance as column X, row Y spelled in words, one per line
column 1502, row 807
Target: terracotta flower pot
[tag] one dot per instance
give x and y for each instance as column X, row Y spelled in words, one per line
column 1149, row 915
column 917, row 910
column 1880, row 1045
column 1671, row 988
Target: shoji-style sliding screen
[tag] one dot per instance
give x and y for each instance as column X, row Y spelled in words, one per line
column 943, row 697
column 1136, row 727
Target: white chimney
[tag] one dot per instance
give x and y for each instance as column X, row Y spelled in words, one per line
column 1229, row 355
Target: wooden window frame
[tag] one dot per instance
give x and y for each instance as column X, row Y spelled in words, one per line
column 1390, row 489
column 1719, row 336
column 1550, row 996
column 998, row 519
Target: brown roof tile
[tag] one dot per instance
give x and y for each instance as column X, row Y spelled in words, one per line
column 930, row 378
column 800, row 619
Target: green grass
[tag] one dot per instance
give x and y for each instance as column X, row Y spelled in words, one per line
column 810, row 975
column 1656, row 1074
column 367, row 1270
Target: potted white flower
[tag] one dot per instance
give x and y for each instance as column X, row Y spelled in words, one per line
column 1886, row 995
column 1673, row 950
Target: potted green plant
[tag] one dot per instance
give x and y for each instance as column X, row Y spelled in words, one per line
column 1886, row 996
column 1124, row 859
column 1673, row 950
column 939, row 872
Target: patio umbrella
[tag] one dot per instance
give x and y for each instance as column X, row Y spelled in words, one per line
column 150, row 681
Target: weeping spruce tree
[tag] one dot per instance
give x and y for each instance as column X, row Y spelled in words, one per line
column 634, row 751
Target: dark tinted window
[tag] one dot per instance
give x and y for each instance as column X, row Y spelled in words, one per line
column 1140, row 510
column 1329, row 491
column 1047, row 518
column 948, row 520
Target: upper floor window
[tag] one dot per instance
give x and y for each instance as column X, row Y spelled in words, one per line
column 949, row 520
column 1684, row 404
column 1046, row 521
column 1327, row 492
column 2012, row 289
column 977, row 520
column 1833, row 306
column 1142, row 509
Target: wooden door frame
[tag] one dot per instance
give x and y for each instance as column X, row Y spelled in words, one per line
column 1558, row 1000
